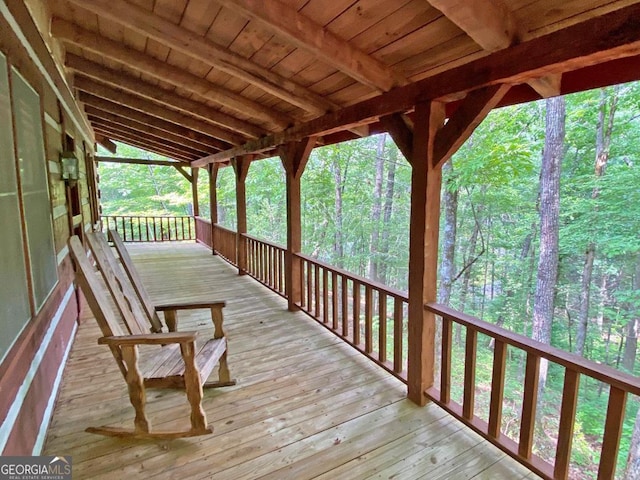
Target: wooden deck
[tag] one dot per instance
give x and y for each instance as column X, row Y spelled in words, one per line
column 306, row 404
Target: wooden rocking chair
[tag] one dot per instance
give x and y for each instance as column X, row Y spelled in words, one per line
column 178, row 362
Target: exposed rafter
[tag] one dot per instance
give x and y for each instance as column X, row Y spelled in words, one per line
column 137, row 103
column 97, row 106
column 304, row 33
column 159, row 95
column 126, row 131
column 96, row 114
column 140, row 161
column 605, row 38
column 107, row 144
column 136, row 142
column 195, row 46
column 80, row 37
column 491, row 25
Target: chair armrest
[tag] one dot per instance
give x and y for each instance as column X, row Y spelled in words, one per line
column 189, row 306
column 150, row 339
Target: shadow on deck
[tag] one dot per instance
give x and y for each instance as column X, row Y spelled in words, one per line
column 306, row 404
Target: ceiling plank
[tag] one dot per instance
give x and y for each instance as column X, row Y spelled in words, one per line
column 195, row 46
column 304, row 33
column 472, row 111
column 95, row 113
column 102, row 105
column 159, row 95
column 116, row 127
column 140, row 161
column 145, row 145
column 137, row 103
column 78, row 36
column 608, row 37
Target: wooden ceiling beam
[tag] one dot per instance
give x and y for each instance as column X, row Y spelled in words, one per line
column 305, row 34
column 95, row 113
column 491, row 25
column 126, row 112
column 140, row 161
column 116, row 127
column 151, row 147
column 150, row 108
column 159, row 95
column 195, row 46
column 473, row 110
column 106, row 143
column 73, row 34
column 609, row 37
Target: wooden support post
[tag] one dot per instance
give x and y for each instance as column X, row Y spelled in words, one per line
column 426, row 179
column 241, row 169
column 294, row 158
column 194, row 191
column 213, row 169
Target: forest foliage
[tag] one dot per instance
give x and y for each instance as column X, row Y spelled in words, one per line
column 355, row 213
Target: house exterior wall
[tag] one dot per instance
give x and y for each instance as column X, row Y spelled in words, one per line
column 31, row 368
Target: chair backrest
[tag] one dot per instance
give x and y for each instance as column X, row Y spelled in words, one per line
column 118, row 284
column 93, row 291
column 136, row 281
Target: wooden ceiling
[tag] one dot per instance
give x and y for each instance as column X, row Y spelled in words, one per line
column 202, row 80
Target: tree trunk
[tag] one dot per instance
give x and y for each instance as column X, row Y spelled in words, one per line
column 386, row 220
column 549, row 212
column 466, row 279
column 632, row 471
column 338, row 243
column 631, row 332
column 604, row 129
column 374, row 259
column 450, row 203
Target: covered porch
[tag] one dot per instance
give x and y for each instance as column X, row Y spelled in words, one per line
column 306, row 405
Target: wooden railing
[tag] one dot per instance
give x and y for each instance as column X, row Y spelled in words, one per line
column 203, row 231
column 225, row 241
column 265, row 262
column 134, row 228
column 368, row 315
column 620, row 385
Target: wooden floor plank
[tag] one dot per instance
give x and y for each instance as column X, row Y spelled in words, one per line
column 306, row 404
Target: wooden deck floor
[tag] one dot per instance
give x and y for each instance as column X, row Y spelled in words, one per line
column 306, row 404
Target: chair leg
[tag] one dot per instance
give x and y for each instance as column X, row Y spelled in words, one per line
column 224, row 377
column 193, row 387
column 135, row 384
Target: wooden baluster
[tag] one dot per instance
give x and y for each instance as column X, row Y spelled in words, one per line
column 497, row 388
column 135, row 384
column 316, row 284
column 140, row 228
column 397, row 335
column 204, row 236
column 567, row 420
column 528, row 419
column 368, row 319
column 133, row 237
column 445, row 367
column 469, row 373
column 325, row 296
column 334, row 300
column 309, row 287
column 382, row 326
column 345, row 307
column 612, row 433
column 356, row 312
column 271, row 261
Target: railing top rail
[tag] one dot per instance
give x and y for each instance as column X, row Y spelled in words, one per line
column 202, row 219
column 224, row 229
column 146, row 216
column 364, row 281
column 604, row 373
column 266, row 242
